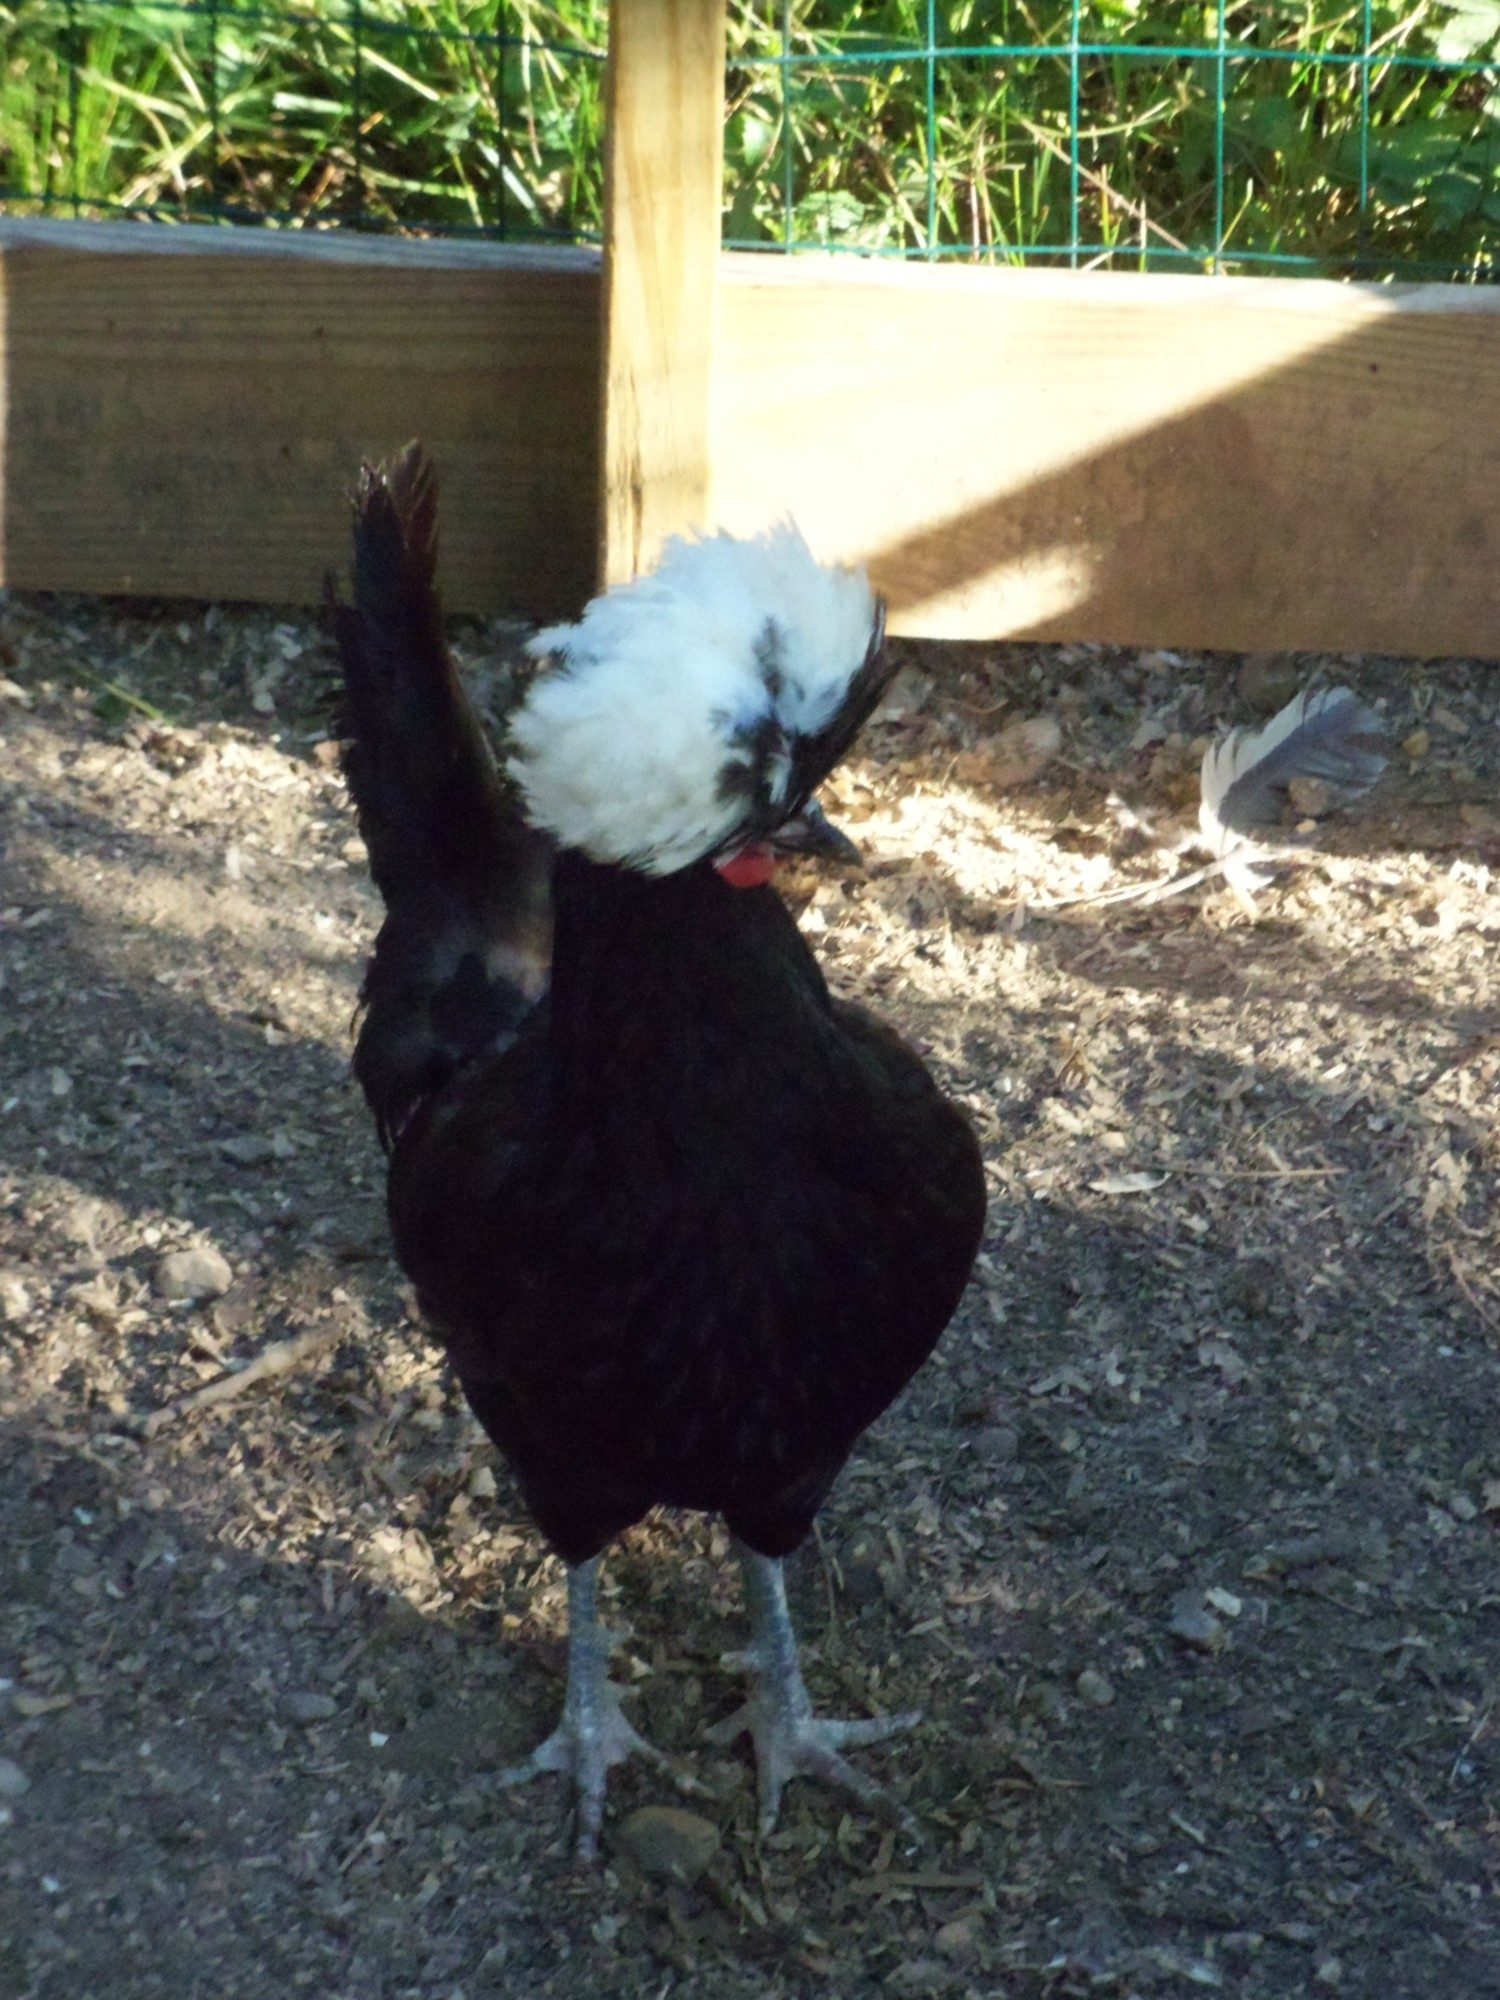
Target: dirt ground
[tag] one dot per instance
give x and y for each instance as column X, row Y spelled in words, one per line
column 1185, row 1545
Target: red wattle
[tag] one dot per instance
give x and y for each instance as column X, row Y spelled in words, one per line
column 748, row 867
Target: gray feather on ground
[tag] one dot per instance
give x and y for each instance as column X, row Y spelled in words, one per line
column 1330, row 735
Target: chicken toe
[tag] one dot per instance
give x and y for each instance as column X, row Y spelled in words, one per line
column 790, row 1741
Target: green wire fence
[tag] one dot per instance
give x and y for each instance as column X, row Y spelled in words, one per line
column 1357, row 137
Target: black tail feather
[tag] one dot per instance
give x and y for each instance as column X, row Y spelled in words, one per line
column 464, row 949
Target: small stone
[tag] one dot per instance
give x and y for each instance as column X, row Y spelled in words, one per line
column 1311, row 797
column 1018, row 752
column 15, row 1300
column 1267, row 680
column 81, row 1221
column 480, row 1484
column 1241, row 1944
column 327, row 753
column 996, row 1444
column 1416, row 746
column 1095, row 1687
column 918, row 1975
column 666, row 1840
column 1196, row 1627
column 957, row 1938
column 30, row 1707
column 1224, row 1602
column 1330, row 1972
column 200, row 1272
column 247, row 1149
column 353, row 849
column 1462, row 1508
column 305, row 1707
column 14, row 1783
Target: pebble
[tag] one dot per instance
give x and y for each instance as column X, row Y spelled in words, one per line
column 1020, row 750
column 666, row 1840
column 305, row 1707
column 916, row 1974
column 14, row 1783
column 1311, row 797
column 1196, row 1627
column 1417, row 745
column 957, row 1938
column 15, row 1300
column 997, row 1444
column 200, row 1272
column 247, row 1149
column 81, row 1221
column 1095, row 1687
column 1267, row 680
column 480, row 1484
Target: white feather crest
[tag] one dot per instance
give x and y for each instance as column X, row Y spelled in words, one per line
column 622, row 745
column 1328, row 734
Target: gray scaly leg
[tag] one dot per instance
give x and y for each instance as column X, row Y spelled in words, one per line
column 791, row 1741
column 593, row 1735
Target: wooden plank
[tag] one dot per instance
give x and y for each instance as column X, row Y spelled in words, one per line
column 1236, row 463
column 184, row 409
column 1163, row 461
column 664, row 194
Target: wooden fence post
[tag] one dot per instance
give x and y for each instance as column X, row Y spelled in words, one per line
column 663, row 200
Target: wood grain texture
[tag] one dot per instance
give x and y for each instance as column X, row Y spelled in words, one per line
column 184, row 409
column 1237, row 463
column 664, row 193
column 1163, row 461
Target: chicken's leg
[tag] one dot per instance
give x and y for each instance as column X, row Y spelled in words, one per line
column 593, row 1735
column 791, row 1741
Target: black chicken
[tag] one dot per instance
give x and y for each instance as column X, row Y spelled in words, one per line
column 686, row 1224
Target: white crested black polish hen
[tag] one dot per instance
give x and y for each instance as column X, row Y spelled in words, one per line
column 685, row 1223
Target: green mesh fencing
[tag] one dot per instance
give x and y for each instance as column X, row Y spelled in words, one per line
column 1356, row 137
column 445, row 117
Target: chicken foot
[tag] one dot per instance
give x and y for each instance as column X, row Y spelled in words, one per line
column 790, row 1741
column 593, row 1735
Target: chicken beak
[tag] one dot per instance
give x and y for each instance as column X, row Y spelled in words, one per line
column 812, row 834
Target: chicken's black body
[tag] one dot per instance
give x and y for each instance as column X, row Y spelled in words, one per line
column 696, row 1227
column 686, row 1224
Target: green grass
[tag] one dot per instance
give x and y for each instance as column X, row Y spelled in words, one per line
column 1341, row 135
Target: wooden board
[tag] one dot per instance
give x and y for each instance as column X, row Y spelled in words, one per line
column 184, row 409
column 664, row 195
column 1163, row 461
column 1168, row 461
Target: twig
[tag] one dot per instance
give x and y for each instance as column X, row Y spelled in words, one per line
column 1256, row 1173
column 1141, row 892
column 1474, row 1735
column 280, row 1358
column 1486, row 1317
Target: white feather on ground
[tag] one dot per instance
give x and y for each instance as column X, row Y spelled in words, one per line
column 1330, row 735
column 1327, row 734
